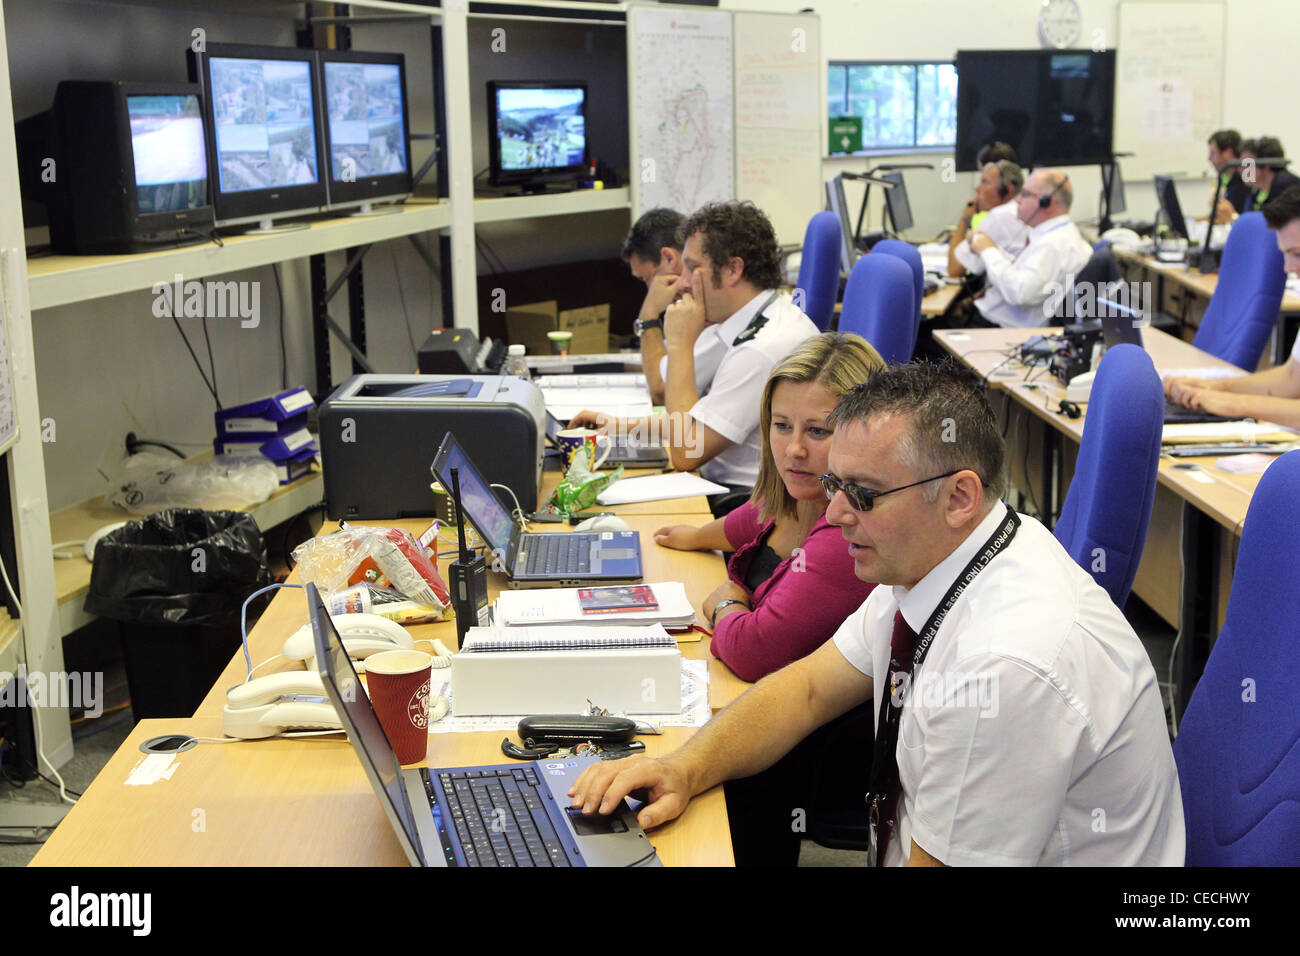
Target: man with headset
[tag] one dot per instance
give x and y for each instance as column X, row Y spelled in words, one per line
column 1019, row 282
column 995, row 196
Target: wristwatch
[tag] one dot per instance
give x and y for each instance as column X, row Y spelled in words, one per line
column 640, row 325
column 713, row 622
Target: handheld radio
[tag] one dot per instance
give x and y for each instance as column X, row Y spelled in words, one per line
column 469, row 589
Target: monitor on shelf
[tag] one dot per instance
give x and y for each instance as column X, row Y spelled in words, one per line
column 1167, row 197
column 537, row 133
column 1054, row 107
column 130, row 167
column 264, row 132
column 896, row 204
column 838, row 205
column 367, row 138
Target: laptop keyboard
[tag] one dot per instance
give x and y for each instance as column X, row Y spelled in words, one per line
column 499, row 817
column 558, row 553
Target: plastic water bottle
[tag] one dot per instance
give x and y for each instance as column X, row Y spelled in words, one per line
column 516, row 363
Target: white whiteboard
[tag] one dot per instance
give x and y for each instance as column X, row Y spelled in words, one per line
column 1168, row 84
column 681, row 94
column 778, row 74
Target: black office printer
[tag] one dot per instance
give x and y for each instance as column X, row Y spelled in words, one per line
column 379, row 433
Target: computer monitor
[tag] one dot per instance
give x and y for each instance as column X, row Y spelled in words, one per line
column 896, row 204
column 837, row 204
column 264, row 132
column 537, row 133
column 1167, row 197
column 367, row 138
column 131, row 167
column 1117, row 200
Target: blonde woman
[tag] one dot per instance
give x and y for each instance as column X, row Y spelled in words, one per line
column 790, row 582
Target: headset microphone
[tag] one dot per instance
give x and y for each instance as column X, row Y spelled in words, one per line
column 1045, row 201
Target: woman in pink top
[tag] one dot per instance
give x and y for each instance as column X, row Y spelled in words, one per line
column 790, row 582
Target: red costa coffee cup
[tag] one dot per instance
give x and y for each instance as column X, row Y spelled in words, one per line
column 398, row 682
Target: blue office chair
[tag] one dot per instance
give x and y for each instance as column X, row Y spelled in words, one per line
column 1245, row 304
column 1238, row 748
column 909, row 254
column 879, row 306
column 819, row 269
column 1104, row 519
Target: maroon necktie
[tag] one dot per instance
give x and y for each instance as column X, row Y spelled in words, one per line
column 902, row 644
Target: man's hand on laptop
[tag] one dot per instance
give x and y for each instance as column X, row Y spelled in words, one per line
column 602, row 787
column 660, row 294
column 597, row 420
column 1180, row 390
column 1215, row 402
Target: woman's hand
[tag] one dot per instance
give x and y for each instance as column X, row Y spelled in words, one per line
column 728, row 590
column 679, row 537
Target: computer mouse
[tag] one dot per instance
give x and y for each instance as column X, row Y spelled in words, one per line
column 604, row 523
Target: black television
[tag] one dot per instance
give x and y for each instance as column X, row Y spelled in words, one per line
column 537, row 133
column 130, row 168
column 1054, row 107
column 367, row 137
column 264, row 132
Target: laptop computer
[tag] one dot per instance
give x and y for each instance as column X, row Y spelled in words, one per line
column 624, row 450
column 560, row 560
column 1122, row 325
column 498, row 815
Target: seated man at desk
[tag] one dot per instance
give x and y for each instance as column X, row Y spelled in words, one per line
column 1234, row 192
column 1019, row 719
column 1270, row 180
column 653, row 251
column 1271, row 395
column 1019, row 282
column 728, row 300
column 995, row 197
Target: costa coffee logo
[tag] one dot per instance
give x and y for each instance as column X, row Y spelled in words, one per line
column 417, row 708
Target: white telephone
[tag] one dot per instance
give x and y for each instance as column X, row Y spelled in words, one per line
column 296, row 700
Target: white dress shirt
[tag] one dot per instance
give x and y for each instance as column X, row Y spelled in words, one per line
column 1033, row 733
column 731, row 405
column 1018, row 285
column 1004, row 227
column 708, row 354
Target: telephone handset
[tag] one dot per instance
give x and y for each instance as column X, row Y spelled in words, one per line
column 271, row 705
column 361, row 634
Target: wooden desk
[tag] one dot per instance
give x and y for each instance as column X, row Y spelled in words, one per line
column 701, row 572
column 1198, row 510
column 293, row 802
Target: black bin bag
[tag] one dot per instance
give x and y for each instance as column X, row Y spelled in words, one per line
column 175, row 581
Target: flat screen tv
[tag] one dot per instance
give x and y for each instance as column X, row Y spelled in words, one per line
column 537, row 133
column 1054, row 107
column 367, row 138
column 264, row 131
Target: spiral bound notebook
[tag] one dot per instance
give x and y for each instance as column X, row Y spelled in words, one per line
column 479, row 640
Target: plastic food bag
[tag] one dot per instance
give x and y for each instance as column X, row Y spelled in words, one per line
column 149, row 482
column 578, row 489
column 386, row 602
column 382, row 557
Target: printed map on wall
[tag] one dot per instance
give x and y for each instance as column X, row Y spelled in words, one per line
column 683, row 103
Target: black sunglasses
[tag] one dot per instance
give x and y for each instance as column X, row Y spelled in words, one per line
column 863, row 499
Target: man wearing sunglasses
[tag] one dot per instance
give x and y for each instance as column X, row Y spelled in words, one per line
column 1018, row 716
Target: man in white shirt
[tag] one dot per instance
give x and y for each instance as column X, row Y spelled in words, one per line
column 1030, row 732
column 727, row 304
column 995, row 197
column 653, row 251
column 1272, row 395
column 1019, row 283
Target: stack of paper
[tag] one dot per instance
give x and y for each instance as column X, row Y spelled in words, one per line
column 622, row 394
column 561, row 606
column 682, row 484
column 1242, row 431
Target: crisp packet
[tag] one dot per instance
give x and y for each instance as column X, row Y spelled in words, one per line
column 580, row 485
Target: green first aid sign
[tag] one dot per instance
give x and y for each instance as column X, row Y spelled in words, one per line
column 845, row 134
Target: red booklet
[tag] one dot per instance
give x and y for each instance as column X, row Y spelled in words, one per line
column 613, row 600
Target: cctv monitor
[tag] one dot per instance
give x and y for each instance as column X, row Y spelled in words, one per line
column 264, row 132
column 1167, row 197
column 896, row 204
column 131, row 167
column 537, row 133
column 367, row 138
column 837, row 204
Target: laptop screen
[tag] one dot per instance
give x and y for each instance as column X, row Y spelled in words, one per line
column 360, row 721
column 480, row 504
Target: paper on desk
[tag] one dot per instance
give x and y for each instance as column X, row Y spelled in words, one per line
column 1204, row 371
column 1243, row 431
column 695, row 706
column 1251, row 464
column 597, row 380
column 151, row 769
column 681, row 484
column 537, row 606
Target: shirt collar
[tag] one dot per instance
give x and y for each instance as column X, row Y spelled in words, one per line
column 919, row 602
column 738, row 320
column 1048, row 225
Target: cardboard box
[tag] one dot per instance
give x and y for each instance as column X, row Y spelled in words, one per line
column 528, row 325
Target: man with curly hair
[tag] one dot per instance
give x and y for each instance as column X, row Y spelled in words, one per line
column 728, row 293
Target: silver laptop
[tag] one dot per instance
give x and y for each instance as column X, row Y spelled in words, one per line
column 560, row 560
column 497, row 815
column 623, row 450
